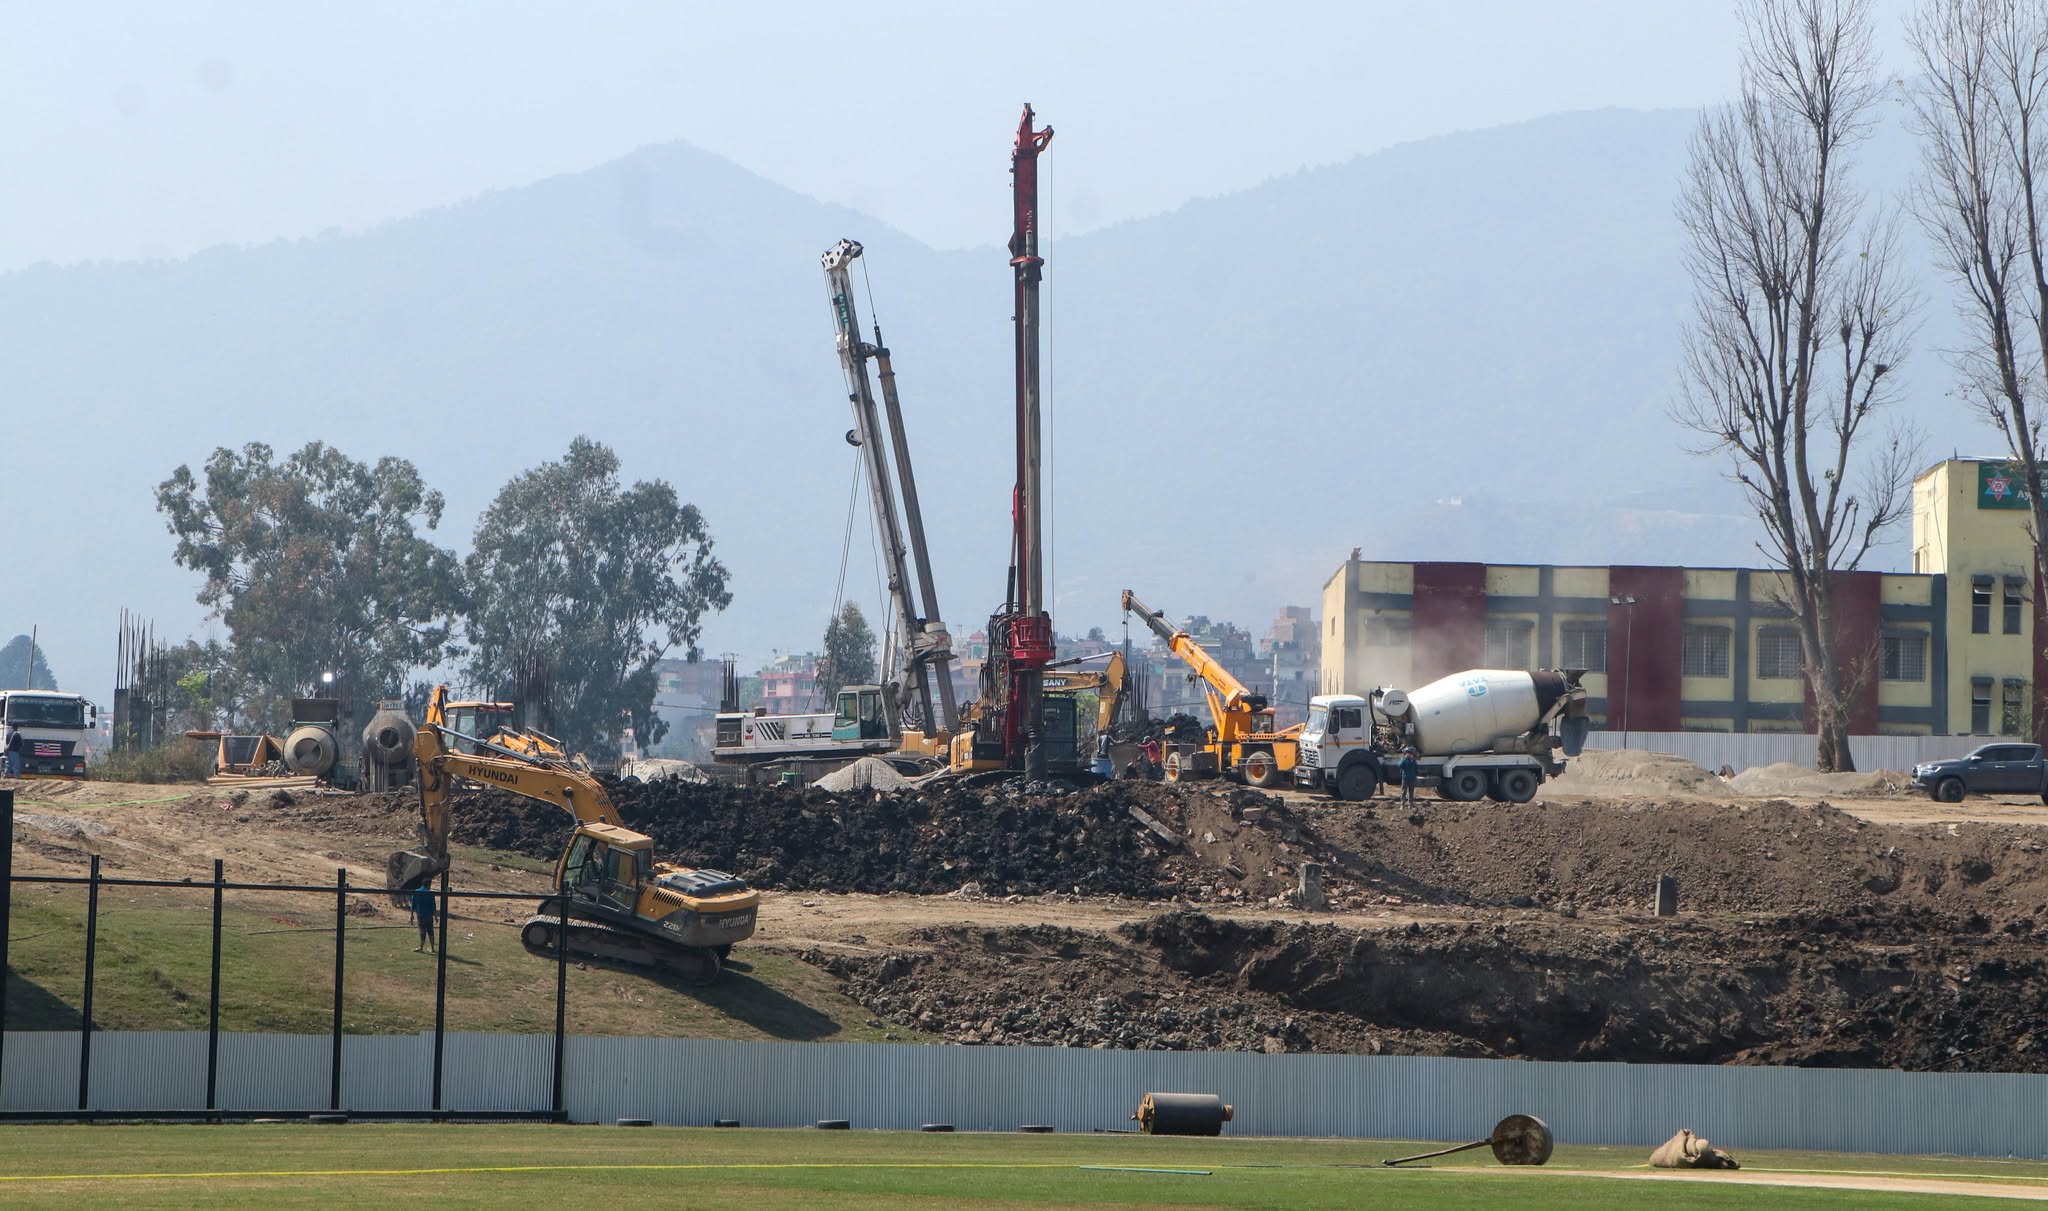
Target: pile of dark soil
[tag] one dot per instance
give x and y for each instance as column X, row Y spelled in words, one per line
column 1873, row 989
column 1006, row 838
column 1774, row 856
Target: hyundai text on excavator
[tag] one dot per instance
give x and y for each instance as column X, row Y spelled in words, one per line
column 622, row 905
column 1241, row 742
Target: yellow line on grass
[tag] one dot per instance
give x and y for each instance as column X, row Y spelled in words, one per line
column 96, row 1177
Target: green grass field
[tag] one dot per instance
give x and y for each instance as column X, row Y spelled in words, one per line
column 277, row 963
column 448, row 1167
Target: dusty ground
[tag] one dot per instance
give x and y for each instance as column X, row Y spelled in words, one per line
column 1873, row 929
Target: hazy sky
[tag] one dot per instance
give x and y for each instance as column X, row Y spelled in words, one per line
column 147, row 129
column 157, row 129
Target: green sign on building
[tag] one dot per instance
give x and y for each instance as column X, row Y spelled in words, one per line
column 2001, row 486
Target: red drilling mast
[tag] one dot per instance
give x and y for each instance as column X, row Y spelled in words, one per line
column 1030, row 643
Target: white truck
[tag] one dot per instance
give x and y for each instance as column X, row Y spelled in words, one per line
column 1480, row 733
column 53, row 727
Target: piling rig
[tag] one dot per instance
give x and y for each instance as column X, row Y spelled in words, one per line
column 1014, row 729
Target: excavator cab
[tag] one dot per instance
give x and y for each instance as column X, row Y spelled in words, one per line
column 859, row 714
column 482, row 720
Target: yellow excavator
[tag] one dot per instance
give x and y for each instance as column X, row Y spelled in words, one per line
column 622, row 904
column 1108, row 685
column 1241, row 741
column 491, row 723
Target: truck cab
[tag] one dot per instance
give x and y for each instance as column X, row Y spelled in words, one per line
column 53, row 730
column 1336, row 751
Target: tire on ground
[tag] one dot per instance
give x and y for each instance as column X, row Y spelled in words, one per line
column 1518, row 785
column 1356, row 782
column 1464, row 786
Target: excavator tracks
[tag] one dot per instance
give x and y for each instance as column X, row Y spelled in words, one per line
column 594, row 940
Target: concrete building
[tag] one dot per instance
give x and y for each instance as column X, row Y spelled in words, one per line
column 1293, row 653
column 1945, row 649
column 789, row 685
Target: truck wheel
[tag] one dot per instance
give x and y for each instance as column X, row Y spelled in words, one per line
column 1465, row 786
column 1949, row 790
column 1356, row 782
column 1518, row 785
column 1261, row 770
column 1173, row 770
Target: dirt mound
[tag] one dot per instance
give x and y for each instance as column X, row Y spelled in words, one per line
column 1009, row 838
column 1786, row 778
column 1774, row 856
column 1919, row 994
column 1633, row 771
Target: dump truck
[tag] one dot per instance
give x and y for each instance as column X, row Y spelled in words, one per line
column 1482, row 733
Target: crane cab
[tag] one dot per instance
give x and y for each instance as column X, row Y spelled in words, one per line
column 858, row 714
column 482, row 720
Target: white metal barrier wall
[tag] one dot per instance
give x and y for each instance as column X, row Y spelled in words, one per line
column 900, row 1086
column 1744, row 750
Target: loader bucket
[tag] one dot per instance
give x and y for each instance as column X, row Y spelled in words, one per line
column 1571, row 733
column 405, row 870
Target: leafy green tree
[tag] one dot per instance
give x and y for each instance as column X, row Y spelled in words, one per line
column 582, row 584
column 14, row 667
column 316, row 565
column 849, row 657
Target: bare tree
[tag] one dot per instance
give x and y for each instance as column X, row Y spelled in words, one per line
column 1980, row 107
column 1798, row 320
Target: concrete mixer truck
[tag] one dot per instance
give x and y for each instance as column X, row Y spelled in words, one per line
column 1491, row 733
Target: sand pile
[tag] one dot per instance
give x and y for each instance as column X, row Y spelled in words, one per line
column 868, row 773
column 1633, row 771
column 1785, row 778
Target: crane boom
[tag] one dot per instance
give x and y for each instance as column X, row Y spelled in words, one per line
column 1030, row 630
column 1228, row 696
column 922, row 641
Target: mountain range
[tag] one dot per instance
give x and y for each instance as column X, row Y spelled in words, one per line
column 1462, row 348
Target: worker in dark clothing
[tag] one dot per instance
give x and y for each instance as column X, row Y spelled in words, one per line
column 15, row 744
column 423, row 909
column 1409, row 768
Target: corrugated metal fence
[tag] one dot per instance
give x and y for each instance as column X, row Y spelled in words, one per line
column 900, row 1086
column 1745, row 750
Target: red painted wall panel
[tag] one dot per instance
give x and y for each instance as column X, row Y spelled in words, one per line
column 1859, row 597
column 1643, row 648
column 1449, row 619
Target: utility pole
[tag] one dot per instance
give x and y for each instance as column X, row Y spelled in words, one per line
column 1628, row 664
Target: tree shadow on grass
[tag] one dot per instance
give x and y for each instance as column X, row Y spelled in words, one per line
column 30, row 1006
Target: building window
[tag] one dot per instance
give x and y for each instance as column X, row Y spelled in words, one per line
column 1704, row 652
column 2012, row 719
column 1904, row 657
column 1980, row 706
column 1388, row 631
column 1777, row 654
column 1585, row 646
column 1980, row 605
column 2015, row 593
column 1507, row 643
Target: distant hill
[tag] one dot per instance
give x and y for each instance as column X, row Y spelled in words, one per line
column 1240, row 391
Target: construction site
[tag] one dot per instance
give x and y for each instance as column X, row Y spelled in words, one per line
column 1852, row 925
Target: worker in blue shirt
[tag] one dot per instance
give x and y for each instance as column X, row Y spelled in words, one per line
column 423, row 909
column 1408, row 768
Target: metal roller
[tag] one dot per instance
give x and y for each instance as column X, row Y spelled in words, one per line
column 1518, row 1139
column 1183, row 1114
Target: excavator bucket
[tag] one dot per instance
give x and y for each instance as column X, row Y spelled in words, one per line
column 405, row 870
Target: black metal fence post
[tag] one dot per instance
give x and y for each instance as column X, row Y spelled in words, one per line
column 6, row 902
column 92, row 929
column 340, row 937
column 561, row 994
column 213, row 996
column 441, row 989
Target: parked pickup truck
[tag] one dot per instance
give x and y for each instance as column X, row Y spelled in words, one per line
column 1995, row 769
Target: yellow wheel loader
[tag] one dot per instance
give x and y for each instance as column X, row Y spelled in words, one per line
column 622, row 905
